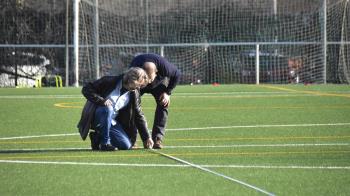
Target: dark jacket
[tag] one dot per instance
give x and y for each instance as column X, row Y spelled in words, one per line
column 130, row 117
column 164, row 67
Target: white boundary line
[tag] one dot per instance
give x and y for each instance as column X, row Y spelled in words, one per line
column 261, row 145
column 40, row 96
column 38, row 136
column 213, row 94
column 260, row 126
column 213, row 172
column 176, row 165
column 278, row 167
column 175, row 95
column 90, row 163
column 40, row 149
column 178, row 93
column 197, row 128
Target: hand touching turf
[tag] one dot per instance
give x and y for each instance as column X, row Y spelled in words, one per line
column 148, row 143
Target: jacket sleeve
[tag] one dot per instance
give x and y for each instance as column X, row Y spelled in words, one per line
column 174, row 80
column 87, row 116
column 92, row 91
column 169, row 70
column 140, row 119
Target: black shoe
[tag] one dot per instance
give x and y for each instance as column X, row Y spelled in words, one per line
column 94, row 141
column 107, row 147
column 157, row 144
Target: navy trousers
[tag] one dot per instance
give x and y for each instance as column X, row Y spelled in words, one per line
column 157, row 88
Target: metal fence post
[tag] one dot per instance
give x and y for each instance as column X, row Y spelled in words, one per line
column 76, row 41
column 257, row 64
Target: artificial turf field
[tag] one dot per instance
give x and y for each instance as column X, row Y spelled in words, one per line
column 227, row 139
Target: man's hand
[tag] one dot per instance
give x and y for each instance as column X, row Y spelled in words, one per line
column 165, row 99
column 148, row 143
column 108, row 103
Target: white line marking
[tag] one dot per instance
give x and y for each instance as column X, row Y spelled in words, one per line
column 176, row 165
column 197, row 128
column 91, row 163
column 41, row 149
column 213, row 172
column 277, row 167
column 40, row 96
column 38, row 136
column 179, row 94
column 261, row 145
column 259, row 126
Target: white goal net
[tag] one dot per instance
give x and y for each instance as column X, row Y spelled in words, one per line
column 222, row 41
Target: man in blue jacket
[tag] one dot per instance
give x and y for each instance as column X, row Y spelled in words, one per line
column 164, row 77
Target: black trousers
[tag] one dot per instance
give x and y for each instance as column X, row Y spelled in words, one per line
column 157, row 88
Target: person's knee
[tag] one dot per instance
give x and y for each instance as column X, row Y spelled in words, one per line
column 104, row 111
column 161, row 108
column 124, row 145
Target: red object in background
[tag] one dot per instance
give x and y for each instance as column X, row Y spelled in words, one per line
column 215, row 84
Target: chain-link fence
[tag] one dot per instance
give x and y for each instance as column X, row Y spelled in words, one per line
column 209, row 40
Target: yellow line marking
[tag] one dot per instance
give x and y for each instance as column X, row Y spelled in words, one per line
column 343, row 106
column 69, row 105
column 80, row 104
column 180, row 154
column 306, row 92
column 260, row 138
column 193, row 139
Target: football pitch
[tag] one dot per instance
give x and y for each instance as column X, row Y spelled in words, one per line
column 220, row 140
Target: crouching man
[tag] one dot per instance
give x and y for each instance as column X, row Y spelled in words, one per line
column 113, row 110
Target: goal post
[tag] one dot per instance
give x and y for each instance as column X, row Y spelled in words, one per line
column 76, row 35
column 216, row 40
column 78, row 40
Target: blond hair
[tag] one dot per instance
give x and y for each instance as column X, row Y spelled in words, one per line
column 135, row 78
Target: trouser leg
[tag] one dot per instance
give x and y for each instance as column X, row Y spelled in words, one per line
column 102, row 123
column 157, row 88
column 160, row 120
column 119, row 138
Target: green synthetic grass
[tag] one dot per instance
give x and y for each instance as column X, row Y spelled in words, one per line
column 284, row 139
